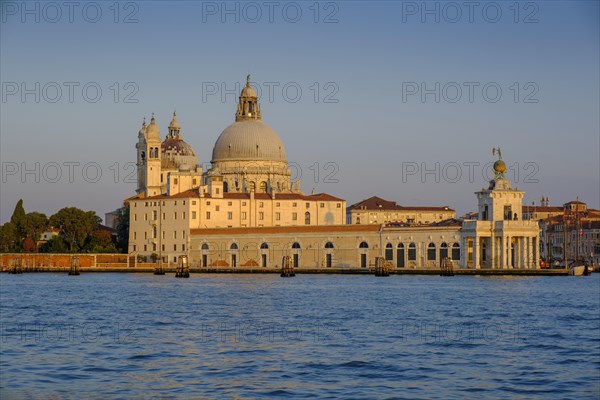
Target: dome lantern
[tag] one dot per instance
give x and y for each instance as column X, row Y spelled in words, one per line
column 248, row 108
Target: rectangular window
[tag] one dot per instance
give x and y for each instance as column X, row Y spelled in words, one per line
column 243, row 203
column 164, row 215
column 183, row 234
column 145, row 248
column 175, row 215
column 145, row 217
column 243, row 214
column 294, row 204
column 307, row 205
column 294, row 216
column 277, row 204
column 163, row 247
column 278, row 216
column 193, row 214
column 145, row 235
column 339, row 205
column 135, row 217
column 134, row 235
column 183, row 216
column 153, row 246
column 183, row 247
column 261, row 204
column 174, row 234
column 229, row 215
column 261, row 215
column 217, row 208
column 217, row 190
column 229, row 203
column 194, row 202
column 174, row 247
column 134, row 247
column 163, row 234
column 322, row 205
column 175, row 181
column 208, row 215
column 184, row 202
column 208, row 203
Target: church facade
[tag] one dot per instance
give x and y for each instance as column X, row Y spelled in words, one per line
column 245, row 212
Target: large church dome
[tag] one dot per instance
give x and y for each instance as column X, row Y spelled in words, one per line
column 248, row 140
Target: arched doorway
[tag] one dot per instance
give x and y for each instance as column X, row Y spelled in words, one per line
column 364, row 248
column 296, row 254
column 328, row 254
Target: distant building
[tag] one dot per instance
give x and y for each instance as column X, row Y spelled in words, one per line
column 573, row 233
column 376, row 210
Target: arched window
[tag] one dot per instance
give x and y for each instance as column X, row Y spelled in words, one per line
column 264, row 246
column 431, row 252
column 456, row 251
column 400, row 256
column 263, row 187
column 225, row 187
column 358, row 220
column 307, row 218
column 233, row 246
column 329, row 245
column 252, row 186
column 296, row 245
column 204, row 246
column 389, row 252
column 443, row 251
column 412, row 252
column 364, row 245
column 296, row 254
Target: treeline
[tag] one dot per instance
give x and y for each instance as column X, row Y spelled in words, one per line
column 78, row 232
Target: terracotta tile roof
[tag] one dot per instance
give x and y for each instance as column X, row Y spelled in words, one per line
column 542, row 209
column 377, row 203
column 187, row 194
column 443, row 223
column 284, row 196
column 286, row 229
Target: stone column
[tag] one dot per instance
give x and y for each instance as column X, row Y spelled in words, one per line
column 475, row 252
column 502, row 252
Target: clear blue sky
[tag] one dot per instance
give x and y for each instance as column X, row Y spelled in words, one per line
column 373, row 55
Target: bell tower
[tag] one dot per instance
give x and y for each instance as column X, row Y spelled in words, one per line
column 141, row 159
column 149, row 159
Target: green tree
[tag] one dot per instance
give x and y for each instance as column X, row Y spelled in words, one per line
column 75, row 225
column 9, row 237
column 55, row 245
column 100, row 241
column 18, row 219
column 123, row 229
column 35, row 224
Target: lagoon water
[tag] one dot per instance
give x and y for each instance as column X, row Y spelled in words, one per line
column 312, row 336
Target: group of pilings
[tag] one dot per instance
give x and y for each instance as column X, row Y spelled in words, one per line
column 287, row 267
column 447, row 267
column 382, row 267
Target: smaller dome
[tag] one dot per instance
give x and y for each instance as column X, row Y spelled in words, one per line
column 177, row 146
column 499, row 167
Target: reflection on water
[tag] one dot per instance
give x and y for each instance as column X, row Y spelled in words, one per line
column 252, row 336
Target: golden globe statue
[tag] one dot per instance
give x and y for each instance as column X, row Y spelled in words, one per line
column 499, row 167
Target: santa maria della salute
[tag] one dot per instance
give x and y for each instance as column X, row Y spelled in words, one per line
column 245, row 212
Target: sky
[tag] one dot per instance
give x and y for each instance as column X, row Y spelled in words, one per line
column 404, row 100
